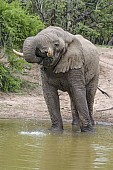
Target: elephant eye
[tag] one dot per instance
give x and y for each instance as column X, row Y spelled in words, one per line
column 56, row 43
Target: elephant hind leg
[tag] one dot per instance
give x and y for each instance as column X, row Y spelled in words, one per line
column 77, row 85
column 90, row 94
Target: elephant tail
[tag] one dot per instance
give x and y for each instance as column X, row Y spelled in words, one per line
column 103, row 92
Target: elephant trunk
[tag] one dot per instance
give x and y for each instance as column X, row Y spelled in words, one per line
column 29, row 51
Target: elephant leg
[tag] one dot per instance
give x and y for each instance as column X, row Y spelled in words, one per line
column 90, row 94
column 75, row 117
column 78, row 92
column 52, row 100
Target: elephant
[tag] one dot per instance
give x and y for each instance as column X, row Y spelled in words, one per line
column 69, row 63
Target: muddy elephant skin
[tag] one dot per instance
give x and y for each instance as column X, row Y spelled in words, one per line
column 69, row 63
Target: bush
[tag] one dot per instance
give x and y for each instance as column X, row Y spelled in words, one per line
column 7, row 81
column 15, row 25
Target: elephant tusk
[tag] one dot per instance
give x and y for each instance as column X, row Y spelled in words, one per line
column 18, row 53
column 50, row 52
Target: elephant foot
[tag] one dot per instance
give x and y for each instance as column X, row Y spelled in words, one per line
column 75, row 126
column 92, row 121
column 88, row 129
column 55, row 128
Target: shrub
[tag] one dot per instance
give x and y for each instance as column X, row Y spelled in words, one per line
column 7, row 81
column 15, row 25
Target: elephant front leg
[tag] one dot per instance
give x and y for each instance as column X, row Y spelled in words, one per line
column 75, row 117
column 52, row 101
column 78, row 93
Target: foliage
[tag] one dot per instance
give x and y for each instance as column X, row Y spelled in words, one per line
column 7, row 81
column 15, row 25
column 91, row 18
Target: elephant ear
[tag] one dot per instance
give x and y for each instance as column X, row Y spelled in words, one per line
column 73, row 57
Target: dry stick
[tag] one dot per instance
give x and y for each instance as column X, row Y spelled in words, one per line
column 103, row 92
column 111, row 108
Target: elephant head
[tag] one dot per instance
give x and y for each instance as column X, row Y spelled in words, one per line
column 53, row 47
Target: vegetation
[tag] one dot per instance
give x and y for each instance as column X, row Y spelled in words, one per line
column 7, row 81
column 22, row 18
column 91, row 18
column 15, row 25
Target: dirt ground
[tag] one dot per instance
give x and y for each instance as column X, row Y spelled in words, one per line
column 32, row 104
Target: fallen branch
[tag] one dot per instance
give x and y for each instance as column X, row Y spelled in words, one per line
column 103, row 92
column 111, row 108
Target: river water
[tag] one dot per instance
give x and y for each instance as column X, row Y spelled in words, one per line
column 29, row 145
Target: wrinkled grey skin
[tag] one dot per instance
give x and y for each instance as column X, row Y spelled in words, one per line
column 73, row 67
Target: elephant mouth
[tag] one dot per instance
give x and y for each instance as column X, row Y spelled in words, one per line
column 51, row 62
column 47, row 62
column 44, row 60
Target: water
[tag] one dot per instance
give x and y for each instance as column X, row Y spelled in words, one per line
column 29, row 145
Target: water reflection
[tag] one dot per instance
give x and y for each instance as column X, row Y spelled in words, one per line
column 29, row 145
column 41, row 134
column 67, row 152
column 102, row 155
